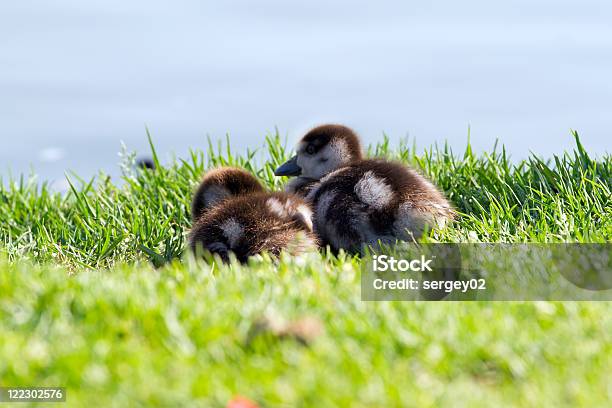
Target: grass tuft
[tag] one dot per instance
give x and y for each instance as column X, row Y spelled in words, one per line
column 146, row 215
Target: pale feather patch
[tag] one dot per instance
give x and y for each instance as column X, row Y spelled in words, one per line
column 276, row 207
column 334, row 174
column 340, row 150
column 373, row 191
column 288, row 209
column 305, row 214
column 232, row 230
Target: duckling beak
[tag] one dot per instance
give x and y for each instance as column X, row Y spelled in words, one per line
column 289, row 168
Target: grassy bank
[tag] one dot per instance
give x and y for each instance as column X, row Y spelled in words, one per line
column 96, row 295
column 179, row 336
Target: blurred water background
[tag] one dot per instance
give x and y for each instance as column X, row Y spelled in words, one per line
column 77, row 77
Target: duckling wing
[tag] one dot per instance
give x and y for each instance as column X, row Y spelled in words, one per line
column 374, row 201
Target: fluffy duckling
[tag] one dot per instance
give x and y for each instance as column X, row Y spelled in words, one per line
column 356, row 201
column 232, row 212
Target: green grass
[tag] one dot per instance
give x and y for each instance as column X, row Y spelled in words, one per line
column 97, row 295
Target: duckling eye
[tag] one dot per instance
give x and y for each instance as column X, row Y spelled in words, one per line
column 310, row 149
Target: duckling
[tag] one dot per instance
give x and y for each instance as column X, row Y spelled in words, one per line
column 356, row 201
column 232, row 212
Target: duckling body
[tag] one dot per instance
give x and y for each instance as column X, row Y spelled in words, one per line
column 375, row 200
column 359, row 202
column 233, row 213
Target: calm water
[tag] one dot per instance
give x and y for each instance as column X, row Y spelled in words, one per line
column 78, row 77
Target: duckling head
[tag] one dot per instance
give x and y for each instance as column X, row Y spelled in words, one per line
column 322, row 150
column 220, row 184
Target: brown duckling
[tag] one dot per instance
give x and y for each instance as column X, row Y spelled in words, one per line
column 359, row 201
column 232, row 213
